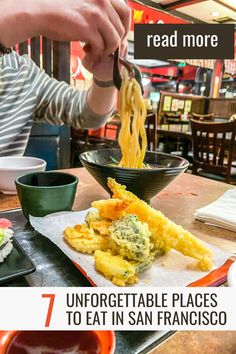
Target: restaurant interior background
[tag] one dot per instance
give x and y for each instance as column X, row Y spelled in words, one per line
column 174, row 90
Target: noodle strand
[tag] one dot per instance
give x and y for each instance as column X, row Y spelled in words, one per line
column 132, row 137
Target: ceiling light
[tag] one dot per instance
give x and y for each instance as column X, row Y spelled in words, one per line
column 215, row 14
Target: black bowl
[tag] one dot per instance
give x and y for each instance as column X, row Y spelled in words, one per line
column 145, row 183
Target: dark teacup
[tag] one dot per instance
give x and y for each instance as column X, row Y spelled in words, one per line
column 43, row 193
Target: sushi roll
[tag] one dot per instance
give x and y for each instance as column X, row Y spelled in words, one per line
column 5, row 239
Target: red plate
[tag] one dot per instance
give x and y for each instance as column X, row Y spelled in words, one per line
column 106, row 340
column 215, row 278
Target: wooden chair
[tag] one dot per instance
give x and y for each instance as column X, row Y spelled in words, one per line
column 213, row 149
column 203, row 117
column 172, row 118
column 113, row 125
column 173, row 145
column 54, row 58
column 232, row 118
column 81, row 141
column 151, row 129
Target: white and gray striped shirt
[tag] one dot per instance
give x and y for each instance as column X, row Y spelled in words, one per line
column 28, row 94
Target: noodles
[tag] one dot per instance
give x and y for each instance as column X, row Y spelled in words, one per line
column 132, row 137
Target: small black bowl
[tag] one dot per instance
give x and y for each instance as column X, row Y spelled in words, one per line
column 145, row 183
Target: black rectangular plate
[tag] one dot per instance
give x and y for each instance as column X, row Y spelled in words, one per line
column 17, row 264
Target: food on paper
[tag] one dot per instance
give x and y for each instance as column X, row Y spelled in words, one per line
column 130, row 238
column 101, row 226
column 5, row 238
column 126, row 235
column 84, row 239
column 165, row 234
column 115, row 268
column 92, row 215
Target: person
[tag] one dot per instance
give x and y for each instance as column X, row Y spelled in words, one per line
column 29, row 95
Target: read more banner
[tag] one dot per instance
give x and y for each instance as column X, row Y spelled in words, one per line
column 191, row 41
column 114, row 308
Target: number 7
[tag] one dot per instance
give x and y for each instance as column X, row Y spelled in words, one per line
column 50, row 307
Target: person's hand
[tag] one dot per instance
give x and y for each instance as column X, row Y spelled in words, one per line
column 102, row 69
column 101, row 24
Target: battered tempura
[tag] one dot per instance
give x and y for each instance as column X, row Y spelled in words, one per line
column 85, row 240
column 115, row 268
column 165, row 234
column 126, row 235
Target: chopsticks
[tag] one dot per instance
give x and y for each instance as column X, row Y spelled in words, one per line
column 132, row 69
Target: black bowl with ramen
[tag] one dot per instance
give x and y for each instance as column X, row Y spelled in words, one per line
column 145, row 183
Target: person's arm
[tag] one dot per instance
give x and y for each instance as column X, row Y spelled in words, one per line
column 102, row 98
column 59, row 103
column 15, row 22
column 101, row 24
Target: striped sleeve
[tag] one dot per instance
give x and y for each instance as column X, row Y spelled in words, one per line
column 59, row 103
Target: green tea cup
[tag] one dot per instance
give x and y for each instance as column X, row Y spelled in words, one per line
column 43, row 193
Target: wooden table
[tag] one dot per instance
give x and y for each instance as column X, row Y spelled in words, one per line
column 177, row 131
column 181, row 132
column 178, row 202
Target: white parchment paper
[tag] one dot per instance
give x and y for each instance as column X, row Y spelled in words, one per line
column 172, row 269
